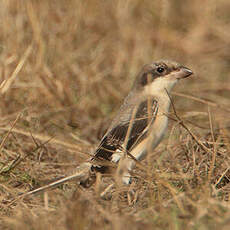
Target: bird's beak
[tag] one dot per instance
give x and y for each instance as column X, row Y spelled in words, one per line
column 184, row 72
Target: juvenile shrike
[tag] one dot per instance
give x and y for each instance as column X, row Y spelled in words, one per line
column 141, row 122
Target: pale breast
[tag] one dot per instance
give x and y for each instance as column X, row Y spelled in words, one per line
column 159, row 128
column 161, row 123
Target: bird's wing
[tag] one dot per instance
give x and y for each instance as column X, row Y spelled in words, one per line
column 143, row 118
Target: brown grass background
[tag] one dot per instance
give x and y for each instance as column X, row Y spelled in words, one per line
column 65, row 67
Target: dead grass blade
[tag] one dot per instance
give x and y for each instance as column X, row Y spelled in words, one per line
column 7, row 84
column 204, row 101
column 9, row 131
column 44, row 138
column 181, row 122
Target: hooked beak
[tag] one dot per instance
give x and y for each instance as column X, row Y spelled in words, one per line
column 184, row 72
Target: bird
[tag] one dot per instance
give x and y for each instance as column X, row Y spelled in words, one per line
column 141, row 121
column 137, row 128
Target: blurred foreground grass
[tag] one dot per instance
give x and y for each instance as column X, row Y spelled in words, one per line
column 65, row 67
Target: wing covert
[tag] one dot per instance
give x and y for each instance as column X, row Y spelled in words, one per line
column 116, row 136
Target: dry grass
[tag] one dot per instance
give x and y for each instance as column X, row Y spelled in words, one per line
column 61, row 63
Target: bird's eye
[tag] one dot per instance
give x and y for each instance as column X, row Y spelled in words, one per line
column 160, row 69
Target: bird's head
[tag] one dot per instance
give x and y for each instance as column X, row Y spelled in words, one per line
column 161, row 76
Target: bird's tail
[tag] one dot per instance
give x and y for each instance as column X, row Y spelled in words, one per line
column 83, row 173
